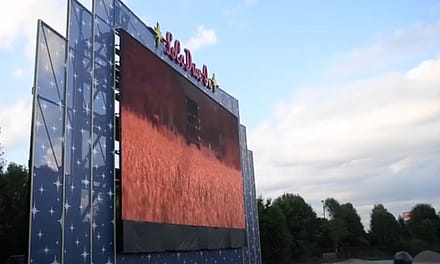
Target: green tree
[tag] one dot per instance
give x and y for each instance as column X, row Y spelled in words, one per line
column 404, row 232
column 385, row 230
column 302, row 224
column 345, row 224
column 13, row 210
column 274, row 233
column 2, row 160
column 424, row 223
column 333, row 208
column 356, row 232
column 335, row 227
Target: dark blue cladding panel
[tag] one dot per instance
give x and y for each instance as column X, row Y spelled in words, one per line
column 247, row 206
column 103, row 144
column 47, row 158
column 251, row 214
column 127, row 20
column 255, row 238
column 77, row 225
column 251, row 251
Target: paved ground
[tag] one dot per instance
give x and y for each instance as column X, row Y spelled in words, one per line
column 360, row 261
column 424, row 257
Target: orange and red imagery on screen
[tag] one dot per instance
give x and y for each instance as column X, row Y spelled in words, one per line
column 180, row 155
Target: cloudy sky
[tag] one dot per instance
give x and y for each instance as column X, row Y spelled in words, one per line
column 341, row 99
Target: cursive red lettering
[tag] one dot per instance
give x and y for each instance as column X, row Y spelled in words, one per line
column 205, row 75
column 194, row 70
column 176, row 50
column 181, row 60
column 168, row 39
column 185, row 61
column 188, row 60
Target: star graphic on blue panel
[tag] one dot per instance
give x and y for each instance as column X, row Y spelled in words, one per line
column 55, row 261
column 34, row 211
column 84, row 254
column 39, row 235
column 110, row 194
column 41, row 189
column 46, row 250
column 85, row 182
column 58, row 184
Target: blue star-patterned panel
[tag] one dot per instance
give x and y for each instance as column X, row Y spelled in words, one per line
column 254, row 247
column 47, row 149
column 78, row 182
column 103, row 225
column 246, row 196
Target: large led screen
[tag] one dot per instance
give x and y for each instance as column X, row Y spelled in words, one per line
column 180, row 160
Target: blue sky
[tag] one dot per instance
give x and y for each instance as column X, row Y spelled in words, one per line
column 341, row 98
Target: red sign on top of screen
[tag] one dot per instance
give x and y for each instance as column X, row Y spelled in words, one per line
column 173, row 50
column 406, row 216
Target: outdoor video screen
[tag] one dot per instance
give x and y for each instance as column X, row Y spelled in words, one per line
column 181, row 183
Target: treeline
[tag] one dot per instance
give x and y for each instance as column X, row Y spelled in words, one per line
column 291, row 231
column 13, row 210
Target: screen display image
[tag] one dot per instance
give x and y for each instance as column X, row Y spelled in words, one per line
column 180, row 160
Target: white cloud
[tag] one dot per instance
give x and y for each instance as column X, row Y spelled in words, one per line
column 205, row 37
column 249, row 2
column 367, row 141
column 18, row 73
column 15, row 124
column 387, row 50
column 401, row 165
column 424, row 72
column 19, row 22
